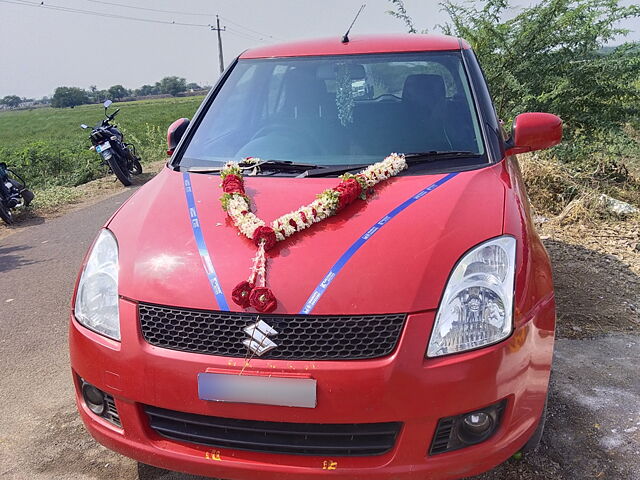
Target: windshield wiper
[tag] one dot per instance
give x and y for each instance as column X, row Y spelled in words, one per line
column 412, row 158
column 277, row 165
column 322, row 171
column 435, row 155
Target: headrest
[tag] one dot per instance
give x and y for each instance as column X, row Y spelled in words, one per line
column 303, row 91
column 423, row 88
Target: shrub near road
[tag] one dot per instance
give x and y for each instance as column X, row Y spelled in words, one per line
column 48, row 147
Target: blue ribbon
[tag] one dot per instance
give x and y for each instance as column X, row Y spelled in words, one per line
column 333, row 272
column 202, row 245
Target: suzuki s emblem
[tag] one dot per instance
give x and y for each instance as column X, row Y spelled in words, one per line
column 259, row 341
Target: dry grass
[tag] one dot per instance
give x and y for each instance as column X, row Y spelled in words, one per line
column 567, row 196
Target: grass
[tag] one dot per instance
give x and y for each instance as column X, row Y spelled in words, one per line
column 53, row 198
column 558, row 191
column 49, row 149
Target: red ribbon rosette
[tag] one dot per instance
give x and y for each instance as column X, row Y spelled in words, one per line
column 241, row 294
column 267, row 234
column 263, row 300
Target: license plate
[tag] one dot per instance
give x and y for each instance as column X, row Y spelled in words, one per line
column 280, row 391
column 104, row 146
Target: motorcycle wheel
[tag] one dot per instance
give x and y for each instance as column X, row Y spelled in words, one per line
column 136, row 167
column 27, row 196
column 121, row 174
column 5, row 214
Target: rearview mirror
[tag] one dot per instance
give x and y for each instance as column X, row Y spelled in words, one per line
column 174, row 134
column 534, row 131
column 107, row 103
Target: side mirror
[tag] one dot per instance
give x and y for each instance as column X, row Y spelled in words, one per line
column 107, row 103
column 534, row 131
column 174, row 134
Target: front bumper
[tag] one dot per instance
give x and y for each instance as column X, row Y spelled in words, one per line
column 403, row 387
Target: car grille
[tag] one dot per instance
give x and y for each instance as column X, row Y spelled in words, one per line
column 363, row 439
column 299, row 337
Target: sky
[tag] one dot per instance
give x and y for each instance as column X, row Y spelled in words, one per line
column 43, row 48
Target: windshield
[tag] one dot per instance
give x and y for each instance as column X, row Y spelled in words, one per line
column 339, row 110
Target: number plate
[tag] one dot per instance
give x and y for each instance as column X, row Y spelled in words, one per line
column 104, row 146
column 280, row 391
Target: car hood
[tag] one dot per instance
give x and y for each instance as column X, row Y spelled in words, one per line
column 402, row 268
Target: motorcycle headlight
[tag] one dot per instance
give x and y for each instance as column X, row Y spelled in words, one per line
column 97, row 299
column 477, row 305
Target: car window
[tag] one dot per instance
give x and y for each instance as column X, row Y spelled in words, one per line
column 339, row 110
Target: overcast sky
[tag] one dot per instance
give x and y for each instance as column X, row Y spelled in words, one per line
column 41, row 48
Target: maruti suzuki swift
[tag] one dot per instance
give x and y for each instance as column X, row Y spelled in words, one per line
column 335, row 275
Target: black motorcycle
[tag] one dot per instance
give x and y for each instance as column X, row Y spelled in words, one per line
column 108, row 141
column 13, row 193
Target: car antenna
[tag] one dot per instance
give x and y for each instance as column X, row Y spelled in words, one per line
column 345, row 38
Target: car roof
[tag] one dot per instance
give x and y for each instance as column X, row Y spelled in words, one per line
column 359, row 44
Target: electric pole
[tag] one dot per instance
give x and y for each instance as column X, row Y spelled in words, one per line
column 218, row 29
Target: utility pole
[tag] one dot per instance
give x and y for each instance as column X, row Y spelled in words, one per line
column 218, row 29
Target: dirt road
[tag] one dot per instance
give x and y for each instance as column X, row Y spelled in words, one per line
column 593, row 430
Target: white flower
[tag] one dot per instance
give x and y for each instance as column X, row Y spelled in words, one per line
column 246, row 221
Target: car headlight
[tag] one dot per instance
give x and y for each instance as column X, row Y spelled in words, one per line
column 477, row 305
column 97, row 299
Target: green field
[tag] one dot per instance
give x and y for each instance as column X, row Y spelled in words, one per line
column 48, row 147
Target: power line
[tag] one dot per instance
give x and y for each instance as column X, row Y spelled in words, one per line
column 101, row 14
column 179, row 12
column 249, row 35
column 100, row 2
column 244, row 35
column 250, row 29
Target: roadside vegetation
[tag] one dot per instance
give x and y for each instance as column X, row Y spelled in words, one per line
column 48, row 148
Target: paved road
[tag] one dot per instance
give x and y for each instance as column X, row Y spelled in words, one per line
column 593, row 429
column 38, row 267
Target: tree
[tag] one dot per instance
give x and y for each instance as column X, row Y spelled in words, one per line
column 146, row 90
column 116, row 92
column 193, row 86
column 172, row 85
column 69, row 97
column 11, row 101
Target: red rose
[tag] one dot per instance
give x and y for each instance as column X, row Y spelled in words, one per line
column 232, row 184
column 242, row 293
column 349, row 190
column 267, row 234
column 263, row 300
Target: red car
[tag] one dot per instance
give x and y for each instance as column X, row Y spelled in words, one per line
column 395, row 319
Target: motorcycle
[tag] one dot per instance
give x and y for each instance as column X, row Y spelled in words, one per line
column 108, row 141
column 13, row 193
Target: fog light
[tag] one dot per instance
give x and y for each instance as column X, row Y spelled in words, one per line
column 94, row 398
column 453, row 433
column 477, row 422
column 475, row 427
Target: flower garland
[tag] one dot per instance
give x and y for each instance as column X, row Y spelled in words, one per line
column 254, row 292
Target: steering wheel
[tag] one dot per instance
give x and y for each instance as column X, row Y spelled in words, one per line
column 285, row 129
